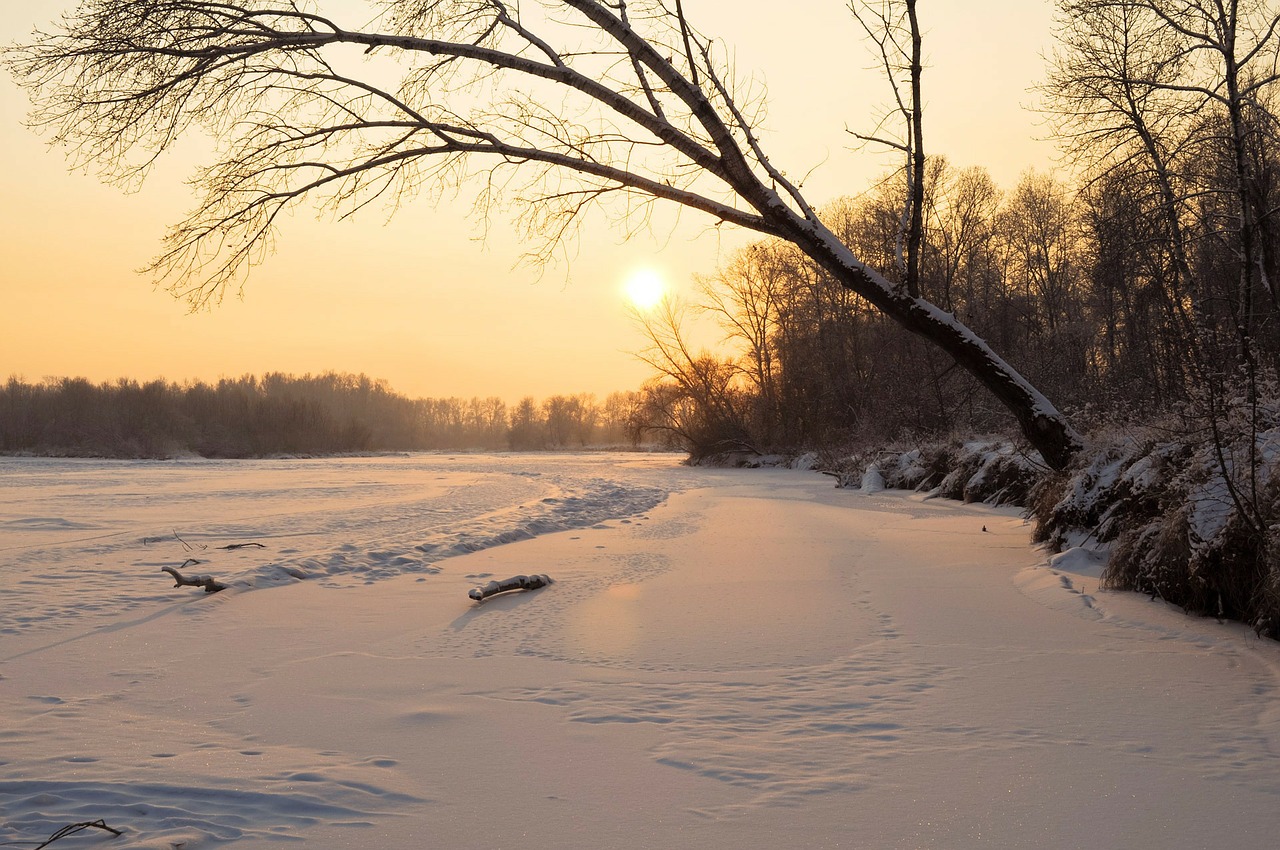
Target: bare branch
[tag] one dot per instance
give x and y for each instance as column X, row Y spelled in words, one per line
column 551, row 106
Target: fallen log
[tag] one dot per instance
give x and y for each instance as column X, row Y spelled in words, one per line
column 209, row 584
column 484, row 591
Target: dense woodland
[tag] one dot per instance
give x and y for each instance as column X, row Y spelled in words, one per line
column 1076, row 284
column 283, row 414
column 1141, row 294
column 1144, row 288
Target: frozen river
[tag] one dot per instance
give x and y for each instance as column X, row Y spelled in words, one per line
column 728, row 660
column 84, row 538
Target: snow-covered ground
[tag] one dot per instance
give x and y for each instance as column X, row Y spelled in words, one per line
column 728, row 659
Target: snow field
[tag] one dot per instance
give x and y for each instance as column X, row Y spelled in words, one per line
column 760, row 661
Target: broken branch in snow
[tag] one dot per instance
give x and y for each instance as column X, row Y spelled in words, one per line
column 484, row 591
column 231, row 547
column 209, row 584
column 72, row 829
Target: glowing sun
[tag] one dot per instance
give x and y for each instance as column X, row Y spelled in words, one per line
column 645, row 289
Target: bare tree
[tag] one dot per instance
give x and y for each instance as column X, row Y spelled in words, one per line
column 1132, row 85
column 745, row 298
column 894, row 28
column 1175, row 87
column 554, row 107
column 697, row 395
column 962, row 218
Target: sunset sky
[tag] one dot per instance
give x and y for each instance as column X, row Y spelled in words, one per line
column 415, row 298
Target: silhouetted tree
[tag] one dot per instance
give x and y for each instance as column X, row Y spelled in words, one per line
column 528, row 428
column 644, row 109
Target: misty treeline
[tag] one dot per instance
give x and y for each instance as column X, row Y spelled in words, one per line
column 285, row 414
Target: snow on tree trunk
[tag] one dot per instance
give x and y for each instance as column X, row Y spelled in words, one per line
column 1041, row 423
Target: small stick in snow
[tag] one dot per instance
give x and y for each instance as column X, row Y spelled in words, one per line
column 185, row 544
column 71, row 829
column 484, row 591
column 209, row 584
column 231, row 547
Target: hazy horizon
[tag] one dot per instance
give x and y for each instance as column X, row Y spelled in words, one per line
column 259, row 374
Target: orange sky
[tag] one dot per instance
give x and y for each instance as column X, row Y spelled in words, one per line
column 415, row 299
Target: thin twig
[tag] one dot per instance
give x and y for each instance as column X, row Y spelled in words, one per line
column 69, row 829
column 185, row 544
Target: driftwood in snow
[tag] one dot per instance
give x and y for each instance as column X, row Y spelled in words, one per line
column 842, row 479
column 209, row 584
column 484, row 591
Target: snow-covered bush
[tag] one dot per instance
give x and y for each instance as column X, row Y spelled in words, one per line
column 1193, row 518
column 995, row 471
column 1189, row 517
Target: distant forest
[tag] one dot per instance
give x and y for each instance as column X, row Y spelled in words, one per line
column 285, row 414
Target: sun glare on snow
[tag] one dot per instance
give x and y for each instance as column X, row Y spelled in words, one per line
column 645, row 288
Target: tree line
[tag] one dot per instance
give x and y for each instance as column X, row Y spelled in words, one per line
column 1070, row 282
column 1145, row 287
column 286, row 414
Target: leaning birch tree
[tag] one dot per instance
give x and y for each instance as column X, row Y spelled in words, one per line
column 551, row 107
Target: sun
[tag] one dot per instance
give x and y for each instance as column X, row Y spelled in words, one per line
column 645, row 289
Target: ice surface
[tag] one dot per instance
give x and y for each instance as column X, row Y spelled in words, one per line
column 754, row 660
column 81, row 539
